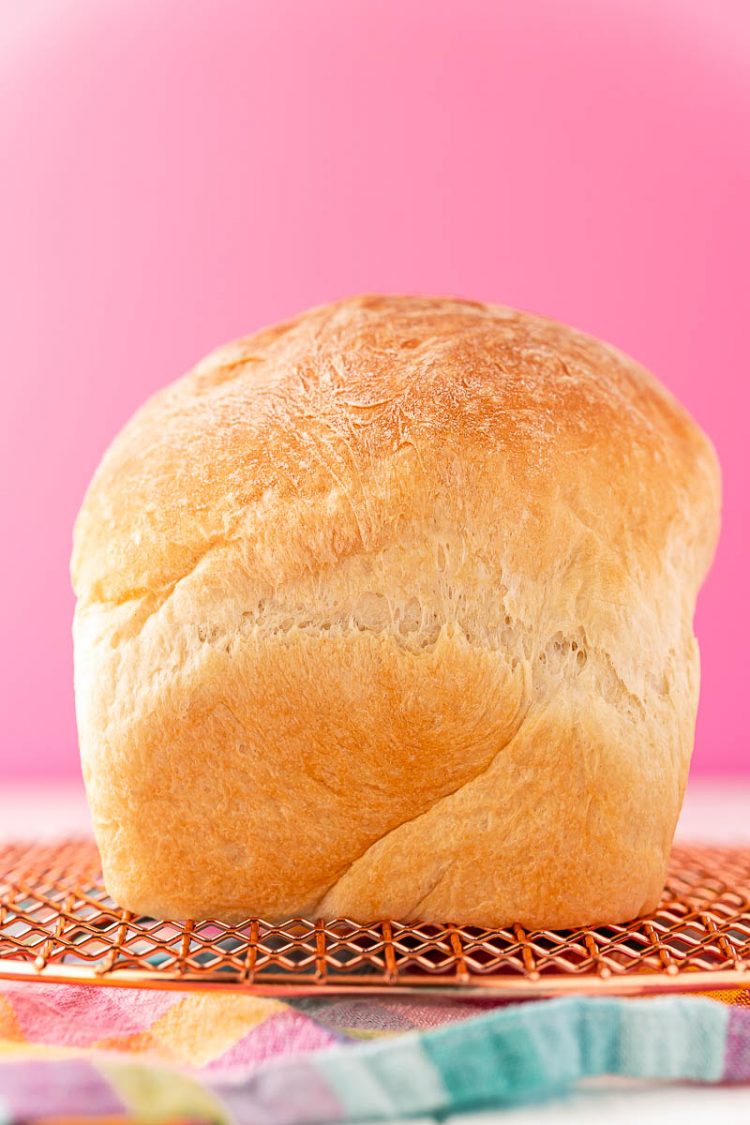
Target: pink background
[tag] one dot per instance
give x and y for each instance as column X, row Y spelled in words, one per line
column 175, row 174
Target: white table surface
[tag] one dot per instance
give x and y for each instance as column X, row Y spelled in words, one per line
column 717, row 811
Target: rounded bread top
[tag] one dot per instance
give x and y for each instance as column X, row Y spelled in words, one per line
column 355, row 423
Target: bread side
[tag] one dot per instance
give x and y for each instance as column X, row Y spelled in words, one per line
column 388, row 612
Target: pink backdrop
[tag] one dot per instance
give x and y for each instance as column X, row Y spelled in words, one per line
column 177, row 173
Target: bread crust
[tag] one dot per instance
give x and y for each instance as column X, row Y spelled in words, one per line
column 387, row 611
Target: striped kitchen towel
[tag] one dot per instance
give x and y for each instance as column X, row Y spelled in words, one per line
column 102, row 1054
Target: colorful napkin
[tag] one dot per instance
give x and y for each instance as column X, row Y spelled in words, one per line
column 116, row 1055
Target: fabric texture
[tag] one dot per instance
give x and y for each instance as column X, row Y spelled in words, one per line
column 70, row 1053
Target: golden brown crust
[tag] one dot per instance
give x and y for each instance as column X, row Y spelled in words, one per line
column 387, row 611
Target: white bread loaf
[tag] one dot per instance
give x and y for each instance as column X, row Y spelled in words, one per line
column 387, row 612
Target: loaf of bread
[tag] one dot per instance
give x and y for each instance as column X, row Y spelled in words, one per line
column 386, row 611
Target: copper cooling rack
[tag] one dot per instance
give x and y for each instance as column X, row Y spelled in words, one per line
column 58, row 924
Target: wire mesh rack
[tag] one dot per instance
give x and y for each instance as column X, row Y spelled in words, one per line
column 57, row 923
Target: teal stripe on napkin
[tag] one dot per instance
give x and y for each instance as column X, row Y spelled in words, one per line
column 392, row 1078
column 528, row 1051
column 679, row 1037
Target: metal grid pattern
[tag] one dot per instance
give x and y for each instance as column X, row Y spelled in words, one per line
column 57, row 923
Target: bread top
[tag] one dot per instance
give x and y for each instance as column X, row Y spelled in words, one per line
column 369, row 423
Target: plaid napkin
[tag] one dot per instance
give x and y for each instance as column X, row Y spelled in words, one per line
column 74, row 1054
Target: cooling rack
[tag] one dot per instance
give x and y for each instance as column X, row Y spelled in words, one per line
column 57, row 923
